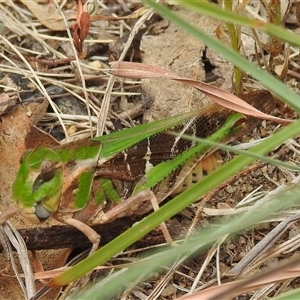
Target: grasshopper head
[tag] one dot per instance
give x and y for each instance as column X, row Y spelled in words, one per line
column 38, row 186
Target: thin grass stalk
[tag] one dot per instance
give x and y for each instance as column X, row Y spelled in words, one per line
column 235, row 39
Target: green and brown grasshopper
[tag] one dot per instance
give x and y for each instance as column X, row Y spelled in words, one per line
column 95, row 181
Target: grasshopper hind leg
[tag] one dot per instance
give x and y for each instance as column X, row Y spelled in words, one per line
column 134, row 205
column 89, row 232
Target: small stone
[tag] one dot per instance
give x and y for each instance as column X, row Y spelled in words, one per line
column 169, row 290
column 230, row 189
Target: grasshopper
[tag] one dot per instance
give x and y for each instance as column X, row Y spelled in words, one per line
column 90, row 182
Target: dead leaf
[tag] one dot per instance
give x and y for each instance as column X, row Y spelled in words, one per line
column 81, row 27
column 47, row 14
column 7, row 102
column 222, row 97
column 36, row 137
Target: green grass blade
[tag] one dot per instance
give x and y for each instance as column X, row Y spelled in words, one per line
column 118, row 141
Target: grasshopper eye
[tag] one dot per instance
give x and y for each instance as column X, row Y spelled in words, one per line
column 42, row 212
column 47, row 172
